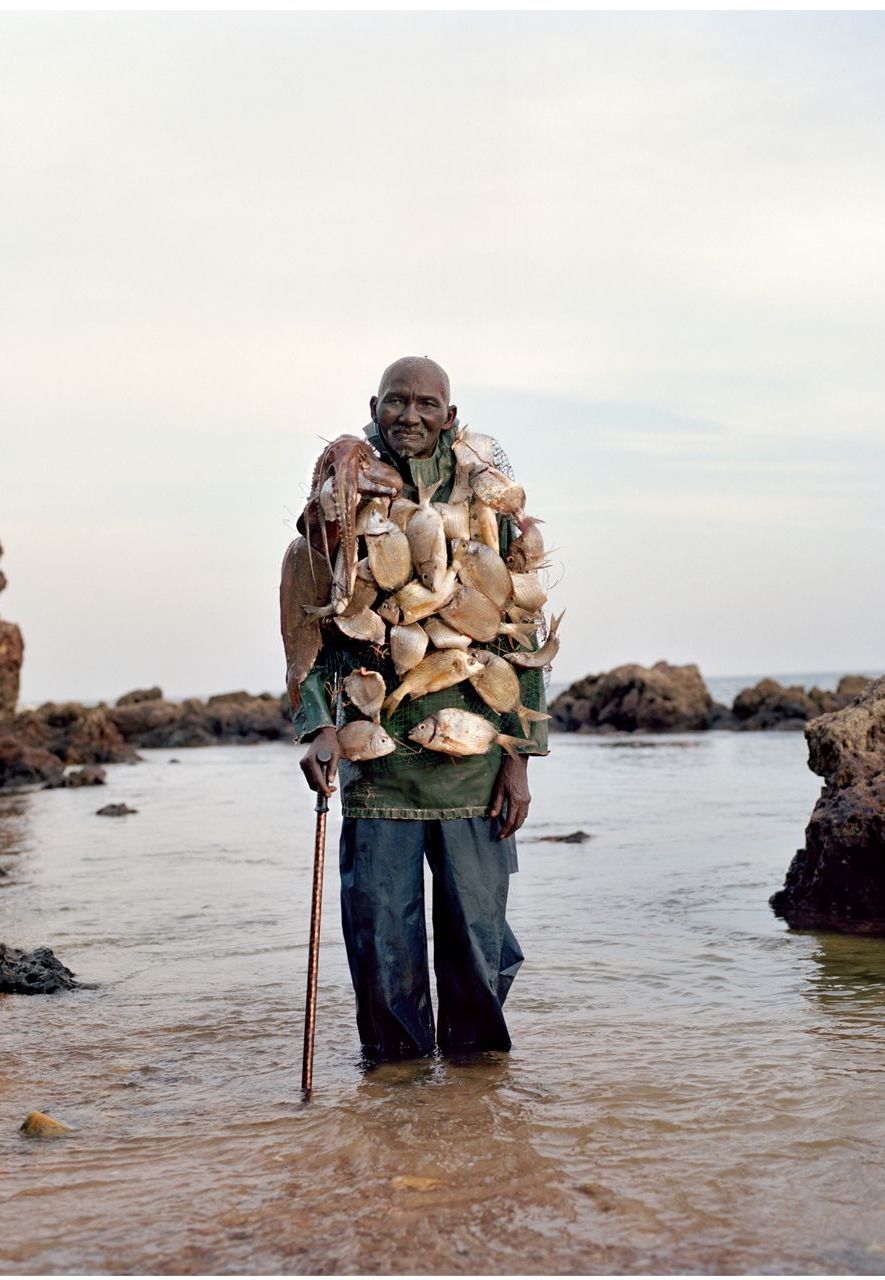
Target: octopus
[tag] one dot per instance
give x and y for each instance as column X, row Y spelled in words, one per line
column 319, row 568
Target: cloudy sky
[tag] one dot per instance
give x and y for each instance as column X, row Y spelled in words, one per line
column 650, row 249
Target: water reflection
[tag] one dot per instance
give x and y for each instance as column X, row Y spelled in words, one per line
column 849, row 973
column 15, row 835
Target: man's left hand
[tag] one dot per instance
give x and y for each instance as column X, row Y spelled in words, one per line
column 511, row 797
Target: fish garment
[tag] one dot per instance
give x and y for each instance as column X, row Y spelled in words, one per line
column 412, row 782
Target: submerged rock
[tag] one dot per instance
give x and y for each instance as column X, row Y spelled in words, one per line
column 31, row 973
column 632, row 698
column 837, row 881
column 573, row 837
column 37, row 1124
column 114, row 811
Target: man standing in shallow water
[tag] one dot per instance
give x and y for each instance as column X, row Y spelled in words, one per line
column 462, row 814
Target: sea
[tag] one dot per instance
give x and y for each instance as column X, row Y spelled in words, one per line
column 693, row 1087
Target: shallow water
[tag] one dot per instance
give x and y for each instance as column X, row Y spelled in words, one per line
column 692, row 1087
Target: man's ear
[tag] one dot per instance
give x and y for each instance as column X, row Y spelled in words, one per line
column 372, row 404
column 451, row 415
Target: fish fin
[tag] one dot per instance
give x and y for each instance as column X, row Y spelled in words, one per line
column 426, row 491
column 523, row 632
column 509, row 743
column 526, row 716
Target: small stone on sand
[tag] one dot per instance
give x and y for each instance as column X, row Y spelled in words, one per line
column 412, row 1182
column 38, row 1125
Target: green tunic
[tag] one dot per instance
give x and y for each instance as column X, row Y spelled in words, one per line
column 413, row 782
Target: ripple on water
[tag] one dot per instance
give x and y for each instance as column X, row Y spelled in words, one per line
column 692, row 1087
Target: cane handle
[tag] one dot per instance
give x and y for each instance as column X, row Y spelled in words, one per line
column 324, row 758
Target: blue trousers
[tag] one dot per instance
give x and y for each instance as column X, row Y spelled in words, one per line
column 475, row 953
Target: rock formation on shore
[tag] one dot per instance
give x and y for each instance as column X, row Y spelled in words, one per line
column 674, row 699
column 837, row 882
column 657, row 699
column 11, row 654
column 37, row 745
column 225, row 717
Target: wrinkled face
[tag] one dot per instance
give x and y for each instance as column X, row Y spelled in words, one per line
column 412, row 409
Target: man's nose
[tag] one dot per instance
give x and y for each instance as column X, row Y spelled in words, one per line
column 409, row 416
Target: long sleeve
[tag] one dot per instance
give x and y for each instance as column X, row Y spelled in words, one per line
column 315, row 711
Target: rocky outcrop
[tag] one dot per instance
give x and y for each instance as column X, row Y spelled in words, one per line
column 25, row 766
column 74, row 733
column 837, row 881
column 37, row 745
column 658, row 699
column 225, row 717
column 670, row 699
column 770, row 705
column 12, row 648
column 32, row 973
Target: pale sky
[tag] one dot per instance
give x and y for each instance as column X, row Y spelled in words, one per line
column 649, row 249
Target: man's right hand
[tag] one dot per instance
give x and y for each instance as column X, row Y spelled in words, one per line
column 320, row 777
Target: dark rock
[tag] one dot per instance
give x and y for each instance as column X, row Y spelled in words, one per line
column 632, row 698
column 851, row 687
column 722, row 717
column 25, row 766
column 771, row 705
column 91, row 775
column 225, row 717
column 76, row 734
column 145, row 722
column 573, row 837
column 154, row 694
column 837, row 881
column 114, row 811
column 238, row 695
column 31, row 973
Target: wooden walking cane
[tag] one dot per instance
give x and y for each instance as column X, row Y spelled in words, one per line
column 316, row 910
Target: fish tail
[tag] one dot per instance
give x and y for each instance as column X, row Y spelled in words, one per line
column 526, row 716
column 390, row 704
column 509, row 743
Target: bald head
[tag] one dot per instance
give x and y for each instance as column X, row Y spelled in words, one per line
column 412, row 406
column 408, row 366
